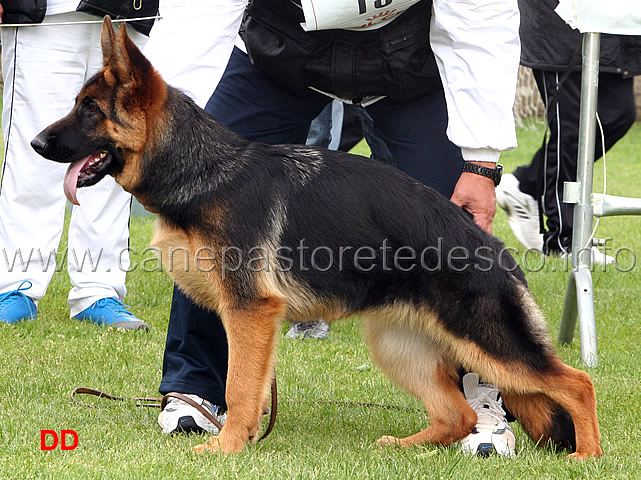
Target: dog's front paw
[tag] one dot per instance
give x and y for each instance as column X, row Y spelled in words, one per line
column 388, row 440
column 580, row 456
column 219, row 443
column 212, row 445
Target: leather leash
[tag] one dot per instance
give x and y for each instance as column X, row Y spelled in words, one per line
column 98, row 393
column 162, row 401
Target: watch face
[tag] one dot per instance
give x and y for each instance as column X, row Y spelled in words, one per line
column 498, row 173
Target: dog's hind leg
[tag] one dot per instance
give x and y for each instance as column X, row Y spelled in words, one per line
column 563, row 411
column 514, row 352
column 416, row 363
column 252, row 334
column 543, row 419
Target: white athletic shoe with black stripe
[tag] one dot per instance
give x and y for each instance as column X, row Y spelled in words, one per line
column 492, row 433
column 522, row 212
column 179, row 416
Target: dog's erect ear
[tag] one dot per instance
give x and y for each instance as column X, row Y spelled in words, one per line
column 107, row 40
column 126, row 63
column 112, row 55
column 139, row 68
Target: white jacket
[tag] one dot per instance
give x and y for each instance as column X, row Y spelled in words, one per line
column 476, row 44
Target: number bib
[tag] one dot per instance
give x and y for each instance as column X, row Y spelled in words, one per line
column 351, row 14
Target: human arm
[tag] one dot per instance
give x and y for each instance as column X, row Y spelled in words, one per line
column 477, row 48
column 475, row 194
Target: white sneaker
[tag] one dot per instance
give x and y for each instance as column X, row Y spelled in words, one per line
column 522, row 212
column 179, row 416
column 492, row 432
column 314, row 329
column 597, row 257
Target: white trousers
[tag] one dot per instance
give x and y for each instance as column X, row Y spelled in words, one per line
column 44, row 68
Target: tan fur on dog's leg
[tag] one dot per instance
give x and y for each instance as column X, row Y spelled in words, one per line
column 451, row 417
column 574, row 391
column 251, row 335
column 539, row 412
column 417, row 364
column 535, row 412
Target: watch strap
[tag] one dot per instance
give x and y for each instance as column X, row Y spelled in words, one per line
column 492, row 173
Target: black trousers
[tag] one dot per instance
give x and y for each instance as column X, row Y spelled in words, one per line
column 248, row 102
column 556, row 161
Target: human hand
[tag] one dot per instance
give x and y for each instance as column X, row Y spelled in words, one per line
column 475, row 194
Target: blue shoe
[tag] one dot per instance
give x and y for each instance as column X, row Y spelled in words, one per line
column 113, row 313
column 16, row 306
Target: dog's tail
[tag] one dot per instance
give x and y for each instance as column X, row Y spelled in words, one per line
column 543, row 419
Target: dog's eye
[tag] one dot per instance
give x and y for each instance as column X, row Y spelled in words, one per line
column 90, row 106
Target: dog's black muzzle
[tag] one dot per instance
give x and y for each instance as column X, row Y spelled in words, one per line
column 45, row 144
column 40, row 143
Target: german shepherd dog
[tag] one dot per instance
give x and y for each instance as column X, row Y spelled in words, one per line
column 311, row 233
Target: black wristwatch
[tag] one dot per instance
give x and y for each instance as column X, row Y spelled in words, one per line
column 493, row 173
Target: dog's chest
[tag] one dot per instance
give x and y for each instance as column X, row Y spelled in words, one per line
column 191, row 263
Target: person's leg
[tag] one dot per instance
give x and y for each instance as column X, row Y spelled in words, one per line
column 252, row 105
column 415, row 134
column 521, row 192
column 336, row 132
column 352, row 128
column 377, row 146
column 195, row 359
column 616, row 109
column 557, row 160
column 248, row 102
column 42, row 75
column 99, row 227
column 325, row 130
column 320, row 130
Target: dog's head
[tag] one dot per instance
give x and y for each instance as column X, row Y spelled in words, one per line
column 110, row 125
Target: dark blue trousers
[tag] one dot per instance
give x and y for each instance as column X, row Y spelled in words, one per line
column 252, row 105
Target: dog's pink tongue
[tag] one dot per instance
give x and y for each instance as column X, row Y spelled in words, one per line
column 71, row 180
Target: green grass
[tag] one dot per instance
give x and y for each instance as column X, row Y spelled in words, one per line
column 42, row 361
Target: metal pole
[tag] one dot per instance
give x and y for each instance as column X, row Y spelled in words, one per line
column 579, row 300
column 587, row 128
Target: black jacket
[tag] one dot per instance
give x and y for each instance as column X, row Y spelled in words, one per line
column 395, row 60
column 548, row 43
column 23, row 11
column 33, row 11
